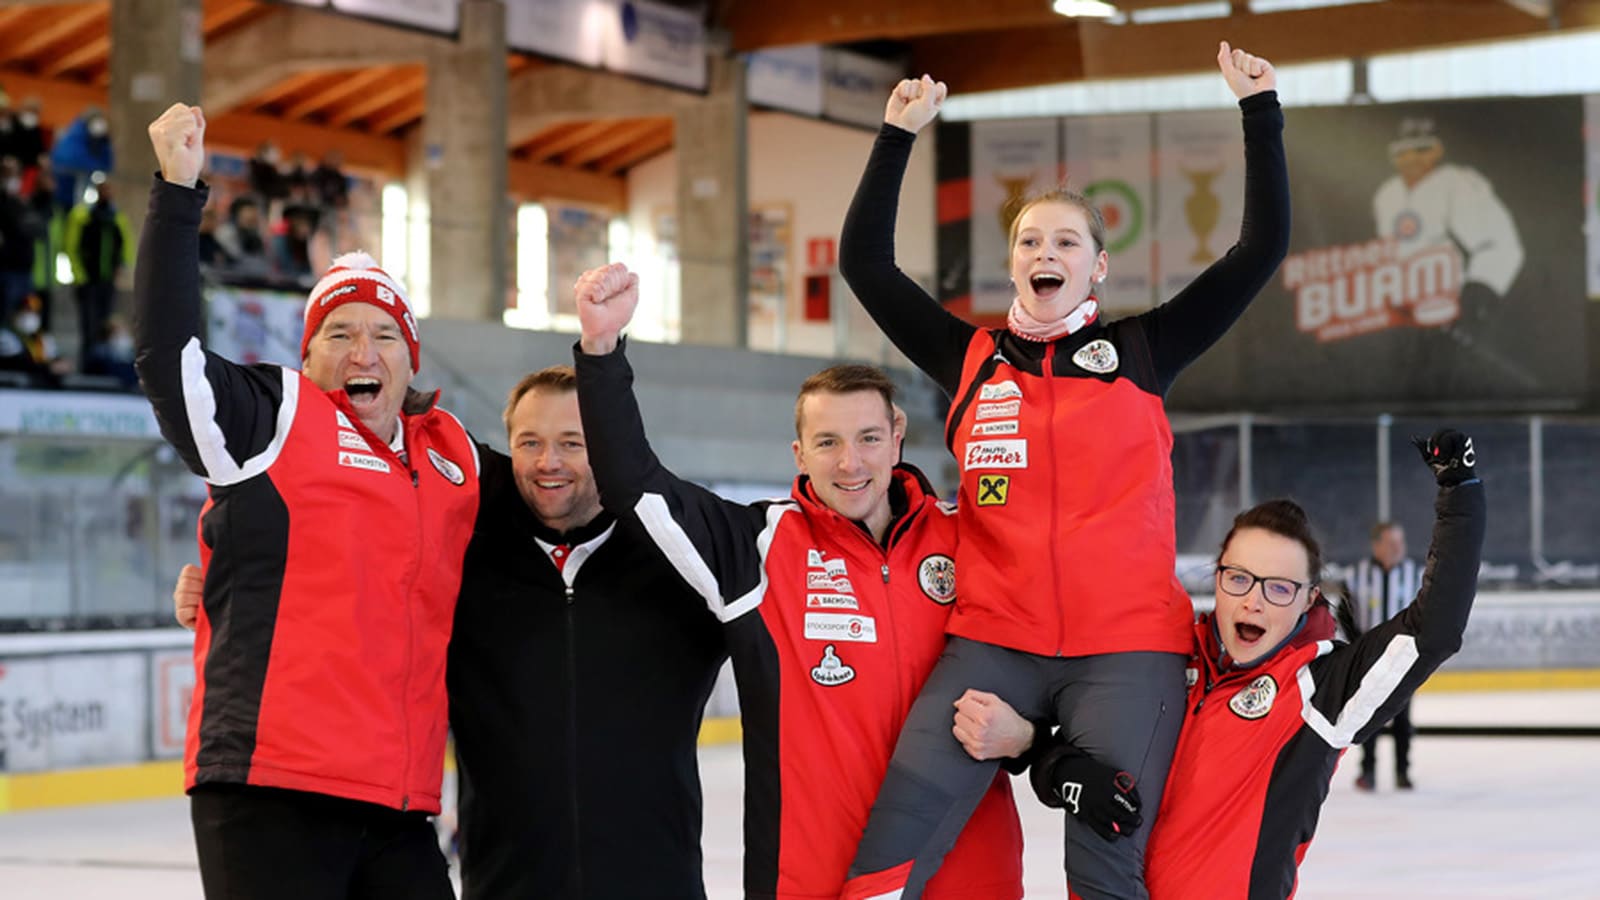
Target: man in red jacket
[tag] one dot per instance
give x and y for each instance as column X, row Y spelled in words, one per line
column 834, row 604
column 339, row 511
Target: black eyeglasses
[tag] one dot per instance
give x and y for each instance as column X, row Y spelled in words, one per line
column 1239, row 582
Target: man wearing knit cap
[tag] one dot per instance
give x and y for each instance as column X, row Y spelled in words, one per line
column 332, row 540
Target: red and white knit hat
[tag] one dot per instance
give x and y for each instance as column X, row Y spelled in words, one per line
column 356, row 278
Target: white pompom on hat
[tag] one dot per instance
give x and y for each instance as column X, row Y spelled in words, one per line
column 356, row 278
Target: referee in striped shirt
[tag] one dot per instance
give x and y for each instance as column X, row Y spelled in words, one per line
column 1384, row 584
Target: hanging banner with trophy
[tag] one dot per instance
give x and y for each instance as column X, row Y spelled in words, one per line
column 1200, row 183
column 1010, row 161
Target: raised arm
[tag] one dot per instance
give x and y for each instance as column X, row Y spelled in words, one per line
column 929, row 335
column 1361, row 686
column 217, row 415
column 1197, row 317
column 713, row 543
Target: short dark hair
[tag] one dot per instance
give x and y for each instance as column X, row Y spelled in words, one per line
column 846, row 379
column 1379, row 529
column 241, row 203
column 560, row 379
column 1286, row 519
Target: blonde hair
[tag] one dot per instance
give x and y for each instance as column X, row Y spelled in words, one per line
column 561, row 379
column 1061, row 194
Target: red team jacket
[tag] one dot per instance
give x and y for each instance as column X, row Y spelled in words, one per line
column 332, row 566
column 1259, row 744
column 831, row 636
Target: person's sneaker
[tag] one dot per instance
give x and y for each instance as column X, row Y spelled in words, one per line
column 1403, row 782
column 1365, row 784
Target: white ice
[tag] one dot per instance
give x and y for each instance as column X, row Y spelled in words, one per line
column 1490, row 818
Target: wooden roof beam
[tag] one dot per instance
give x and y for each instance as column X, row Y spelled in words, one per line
column 628, row 157
column 539, row 181
column 416, row 80
column 618, row 135
column 63, row 26
column 356, row 82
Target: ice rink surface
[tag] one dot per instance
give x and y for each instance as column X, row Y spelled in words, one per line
column 1509, row 819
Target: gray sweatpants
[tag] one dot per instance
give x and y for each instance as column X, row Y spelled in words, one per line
column 1124, row 709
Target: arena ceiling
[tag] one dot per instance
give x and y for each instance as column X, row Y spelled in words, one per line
column 369, row 104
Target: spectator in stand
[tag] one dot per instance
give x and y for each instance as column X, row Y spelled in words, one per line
column 24, row 347
column 328, row 183
column 113, row 355
column 214, row 258
column 50, row 239
column 240, row 238
column 100, row 245
column 18, row 230
column 8, row 128
column 291, row 249
column 30, row 139
column 266, row 181
column 83, row 149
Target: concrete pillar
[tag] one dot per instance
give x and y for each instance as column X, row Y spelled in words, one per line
column 155, row 62
column 464, row 161
column 713, row 177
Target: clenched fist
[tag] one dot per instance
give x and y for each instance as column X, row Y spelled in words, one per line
column 179, row 138
column 1245, row 74
column 914, row 103
column 606, row 297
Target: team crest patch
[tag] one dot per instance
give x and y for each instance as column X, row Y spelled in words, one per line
column 1097, row 356
column 1255, row 701
column 832, row 670
column 993, row 489
column 451, row 472
column 937, row 578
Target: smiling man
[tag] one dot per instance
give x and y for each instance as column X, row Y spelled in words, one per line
column 332, row 541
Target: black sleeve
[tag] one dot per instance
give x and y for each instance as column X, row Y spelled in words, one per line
column 714, row 544
column 930, row 336
column 1185, row 326
column 218, row 415
column 1358, row 688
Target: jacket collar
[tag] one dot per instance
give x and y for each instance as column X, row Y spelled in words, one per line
column 1315, row 626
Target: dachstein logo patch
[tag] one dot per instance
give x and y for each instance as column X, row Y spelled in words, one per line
column 362, row 461
column 1255, row 700
column 832, row 670
column 937, row 578
column 451, row 472
column 1097, row 356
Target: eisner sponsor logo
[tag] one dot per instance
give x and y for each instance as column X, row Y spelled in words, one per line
column 831, row 601
column 1007, row 410
column 983, row 428
column 996, row 455
column 841, row 627
column 1000, row 390
column 362, row 461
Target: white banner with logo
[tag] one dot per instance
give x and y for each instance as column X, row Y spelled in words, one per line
column 1201, row 186
column 76, row 414
column 432, row 15
column 72, row 711
column 658, row 42
column 1109, row 161
column 1591, row 190
column 171, row 688
column 1010, row 161
column 787, row 78
column 855, row 87
column 250, row 326
column 560, row 28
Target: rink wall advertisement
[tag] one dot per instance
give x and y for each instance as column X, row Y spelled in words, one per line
column 1438, row 256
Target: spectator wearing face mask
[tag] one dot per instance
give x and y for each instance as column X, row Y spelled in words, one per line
column 113, row 355
column 29, row 139
column 84, row 148
column 25, row 348
column 100, row 245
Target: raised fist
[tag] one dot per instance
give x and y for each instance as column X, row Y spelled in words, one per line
column 1450, row 455
column 179, row 138
column 914, row 103
column 1245, row 74
column 606, row 299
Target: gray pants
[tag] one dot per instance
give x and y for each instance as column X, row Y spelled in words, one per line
column 1124, row 709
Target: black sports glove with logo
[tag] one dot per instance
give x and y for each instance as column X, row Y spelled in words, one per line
column 1102, row 797
column 1450, row 455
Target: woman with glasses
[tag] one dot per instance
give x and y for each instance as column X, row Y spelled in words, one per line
column 1068, row 606
column 1274, row 701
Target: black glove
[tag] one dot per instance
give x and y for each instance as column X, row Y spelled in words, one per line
column 1102, row 797
column 1449, row 454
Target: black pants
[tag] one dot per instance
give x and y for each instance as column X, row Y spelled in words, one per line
column 1123, row 708
column 1401, row 727
column 267, row 844
column 95, row 301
